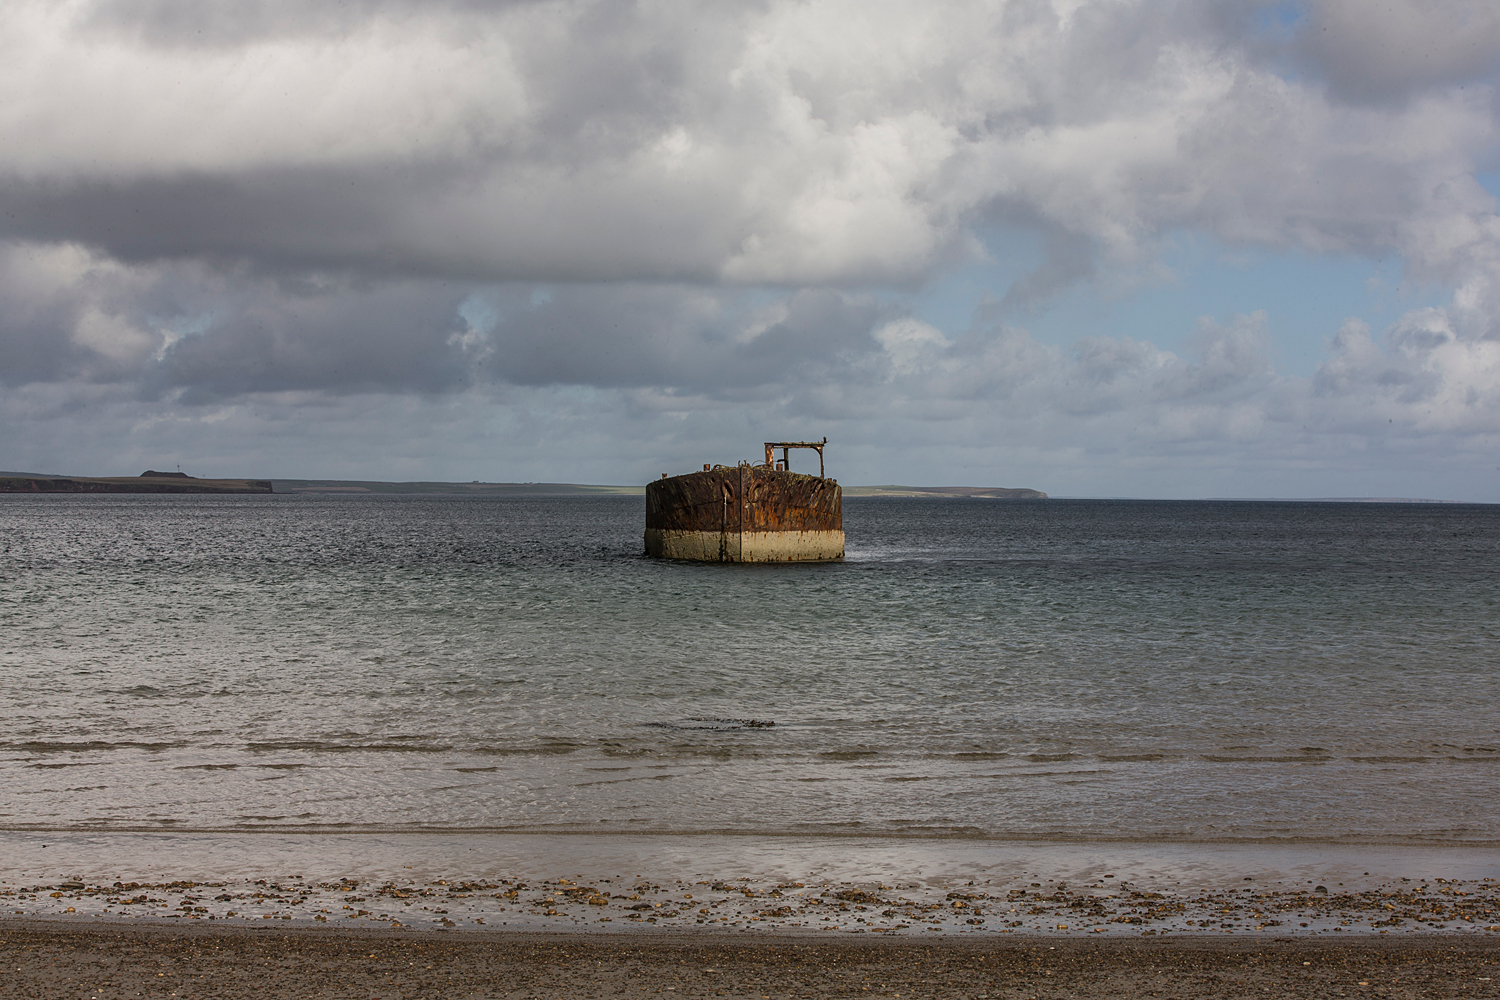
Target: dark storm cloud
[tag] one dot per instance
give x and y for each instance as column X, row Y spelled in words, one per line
column 206, row 333
column 215, row 23
column 73, row 315
column 412, row 338
column 387, row 221
column 33, row 347
column 68, row 315
column 1374, row 53
column 650, row 336
column 393, row 338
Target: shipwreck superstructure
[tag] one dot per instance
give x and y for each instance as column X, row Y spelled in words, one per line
column 748, row 513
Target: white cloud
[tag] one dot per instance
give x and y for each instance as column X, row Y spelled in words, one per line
column 114, row 337
column 910, row 345
column 791, row 143
column 1426, row 377
column 104, row 104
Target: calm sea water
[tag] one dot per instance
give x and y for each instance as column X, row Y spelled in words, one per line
column 1072, row 670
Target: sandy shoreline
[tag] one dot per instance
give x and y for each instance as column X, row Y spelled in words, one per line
column 610, row 885
column 98, row 915
column 89, row 959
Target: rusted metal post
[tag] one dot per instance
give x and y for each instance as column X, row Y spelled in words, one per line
column 786, row 454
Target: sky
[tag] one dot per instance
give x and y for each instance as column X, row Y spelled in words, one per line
column 1093, row 247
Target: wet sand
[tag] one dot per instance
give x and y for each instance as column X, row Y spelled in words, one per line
column 762, row 885
column 93, row 960
column 104, row 915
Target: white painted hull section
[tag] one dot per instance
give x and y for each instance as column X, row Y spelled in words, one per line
column 751, row 546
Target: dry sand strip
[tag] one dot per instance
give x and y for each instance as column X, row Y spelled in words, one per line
column 84, row 959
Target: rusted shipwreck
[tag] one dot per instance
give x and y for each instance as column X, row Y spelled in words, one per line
column 748, row 513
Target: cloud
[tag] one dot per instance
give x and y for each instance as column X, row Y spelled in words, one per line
column 71, row 314
column 1376, row 53
column 75, row 314
column 783, row 143
column 1413, row 410
column 1424, row 375
column 686, row 338
column 723, row 210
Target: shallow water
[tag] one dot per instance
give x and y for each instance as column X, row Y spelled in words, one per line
column 1059, row 670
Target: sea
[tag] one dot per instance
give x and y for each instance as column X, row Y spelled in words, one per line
column 276, row 674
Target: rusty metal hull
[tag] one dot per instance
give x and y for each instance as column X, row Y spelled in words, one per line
column 745, row 514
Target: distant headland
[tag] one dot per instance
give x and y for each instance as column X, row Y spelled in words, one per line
column 149, row 481
column 347, row 486
column 152, row 481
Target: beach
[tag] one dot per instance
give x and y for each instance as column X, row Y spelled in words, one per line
column 611, row 884
column 88, row 960
column 503, row 915
column 309, row 746
column 583, row 612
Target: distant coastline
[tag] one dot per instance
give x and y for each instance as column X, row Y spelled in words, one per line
column 956, row 492
column 1330, row 500
column 360, row 486
column 152, row 482
column 576, row 489
column 32, row 482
